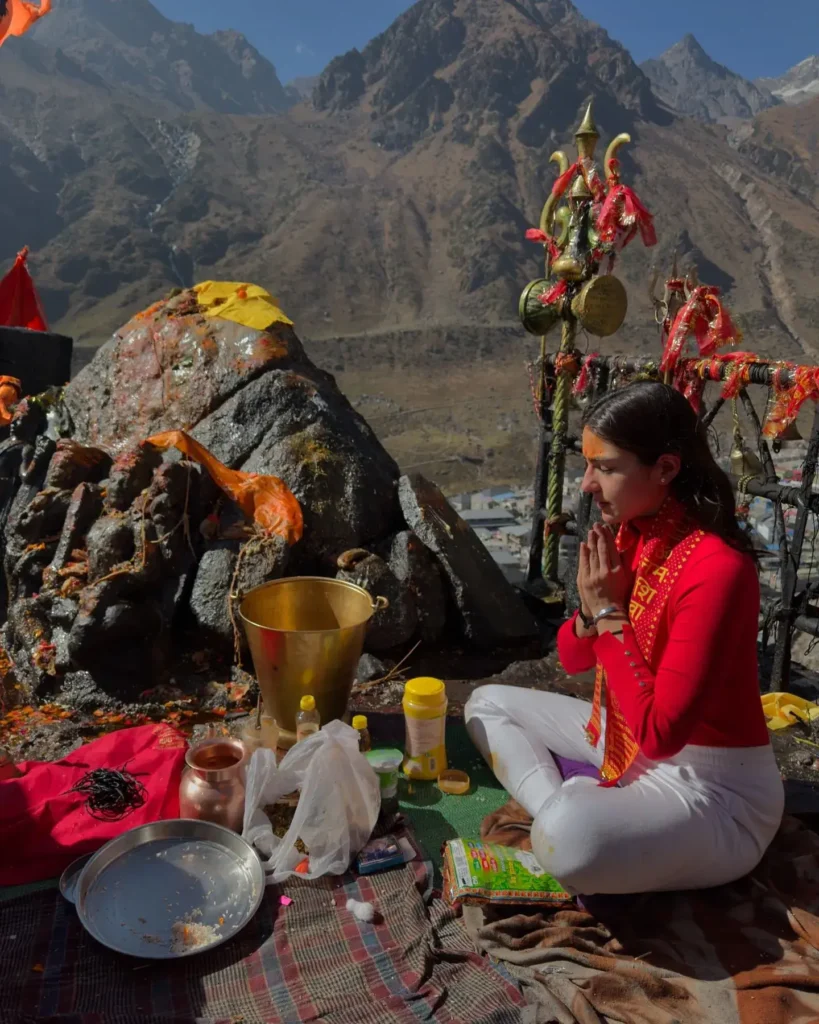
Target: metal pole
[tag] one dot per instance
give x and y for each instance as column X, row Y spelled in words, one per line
column 711, row 415
column 775, row 492
column 535, row 568
column 557, row 453
column 780, row 533
column 780, row 674
column 762, row 373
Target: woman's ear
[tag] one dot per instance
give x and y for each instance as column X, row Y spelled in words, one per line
column 668, row 467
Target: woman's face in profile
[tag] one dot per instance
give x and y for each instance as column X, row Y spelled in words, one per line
column 622, row 486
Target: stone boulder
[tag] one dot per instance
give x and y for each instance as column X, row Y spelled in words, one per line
column 490, row 611
column 397, row 622
column 416, row 568
column 114, row 549
column 256, row 401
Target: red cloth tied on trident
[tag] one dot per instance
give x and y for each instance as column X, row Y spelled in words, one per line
column 623, row 211
column 20, row 304
column 536, row 235
column 20, row 16
column 704, row 316
column 44, row 826
column 789, row 400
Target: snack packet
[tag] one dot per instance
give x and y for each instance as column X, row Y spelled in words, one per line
column 475, row 872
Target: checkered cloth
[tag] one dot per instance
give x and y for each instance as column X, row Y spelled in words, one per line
column 309, row 961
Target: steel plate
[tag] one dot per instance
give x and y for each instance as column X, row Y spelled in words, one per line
column 134, row 890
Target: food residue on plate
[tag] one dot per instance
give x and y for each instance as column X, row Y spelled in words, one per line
column 189, row 935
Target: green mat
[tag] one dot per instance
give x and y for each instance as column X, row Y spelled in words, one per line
column 434, row 816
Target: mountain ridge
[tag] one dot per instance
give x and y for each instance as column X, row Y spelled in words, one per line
column 690, row 82
column 388, row 213
column 129, row 44
column 798, row 84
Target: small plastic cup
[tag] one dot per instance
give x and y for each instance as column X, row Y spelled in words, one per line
column 386, row 764
column 453, row 782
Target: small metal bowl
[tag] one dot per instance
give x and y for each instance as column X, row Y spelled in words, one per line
column 70, row 877
column 131, row 893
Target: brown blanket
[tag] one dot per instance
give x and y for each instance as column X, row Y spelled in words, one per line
column 746, row 953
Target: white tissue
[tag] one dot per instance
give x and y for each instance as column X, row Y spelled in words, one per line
column 361, row 911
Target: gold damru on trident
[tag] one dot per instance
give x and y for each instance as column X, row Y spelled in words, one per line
column 585, row 222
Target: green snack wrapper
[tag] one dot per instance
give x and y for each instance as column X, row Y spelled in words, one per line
column 476, row 872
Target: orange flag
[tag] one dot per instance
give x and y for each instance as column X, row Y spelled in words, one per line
column 267, row 500
column 17, row 16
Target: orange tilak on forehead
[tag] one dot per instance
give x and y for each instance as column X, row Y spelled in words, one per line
column 593, row 446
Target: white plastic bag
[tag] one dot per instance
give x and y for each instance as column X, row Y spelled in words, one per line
column 337, row 810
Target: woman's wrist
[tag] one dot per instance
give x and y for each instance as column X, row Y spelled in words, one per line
column 612, row 623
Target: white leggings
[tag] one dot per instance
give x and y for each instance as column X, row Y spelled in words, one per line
column 700, row 819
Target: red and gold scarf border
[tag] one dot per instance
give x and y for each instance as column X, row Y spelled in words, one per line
column 670, row 542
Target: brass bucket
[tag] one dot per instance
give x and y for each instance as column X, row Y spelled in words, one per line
column 306, row 634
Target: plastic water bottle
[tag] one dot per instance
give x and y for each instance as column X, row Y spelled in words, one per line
column 360, row 725
column 308, row 720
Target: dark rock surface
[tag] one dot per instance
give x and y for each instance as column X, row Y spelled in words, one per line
column 416, row 568
column 118, row 555
column 131, row 473
column 369, row 668
column 491, row 613
column 391, row 626
column 209, row 598
column 73, row 464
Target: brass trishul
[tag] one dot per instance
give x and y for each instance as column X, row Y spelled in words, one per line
column 587, row 135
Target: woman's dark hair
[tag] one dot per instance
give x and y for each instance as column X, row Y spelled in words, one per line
column 650, row 419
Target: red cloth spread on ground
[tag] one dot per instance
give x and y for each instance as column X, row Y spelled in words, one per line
column 702, row 684
column 20, row 16
column 20, row 304
column 44, row 826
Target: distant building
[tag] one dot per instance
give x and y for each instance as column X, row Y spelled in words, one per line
column 488, row 518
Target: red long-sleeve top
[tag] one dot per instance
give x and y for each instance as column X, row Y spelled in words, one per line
column 703, row 685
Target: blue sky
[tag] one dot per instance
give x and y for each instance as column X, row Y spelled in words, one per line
column 301, row 36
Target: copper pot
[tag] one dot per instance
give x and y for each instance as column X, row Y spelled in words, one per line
column 213, row 784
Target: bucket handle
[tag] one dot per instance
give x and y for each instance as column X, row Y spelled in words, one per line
column 380, row 604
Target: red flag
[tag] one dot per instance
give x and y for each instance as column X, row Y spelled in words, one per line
column 20, row 304
column 18, row 16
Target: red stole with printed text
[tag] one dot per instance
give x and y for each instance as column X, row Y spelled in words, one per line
column 669, row 541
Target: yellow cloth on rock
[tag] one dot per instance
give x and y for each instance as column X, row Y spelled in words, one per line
column 783, row 709
column 245, row 304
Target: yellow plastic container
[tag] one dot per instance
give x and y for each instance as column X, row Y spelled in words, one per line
column 425, row 707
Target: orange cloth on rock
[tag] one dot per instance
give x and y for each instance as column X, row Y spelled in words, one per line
column 267, row 500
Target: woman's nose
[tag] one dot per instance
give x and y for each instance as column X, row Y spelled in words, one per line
column 589, row 485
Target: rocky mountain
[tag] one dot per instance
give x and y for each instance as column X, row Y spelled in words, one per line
column 797, row 85
column 129, row 47
column 301, row 88
column 784, row 142
column 388, row 214
column 690, row 82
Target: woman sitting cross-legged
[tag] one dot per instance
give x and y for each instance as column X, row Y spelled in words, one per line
column 687, row 793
